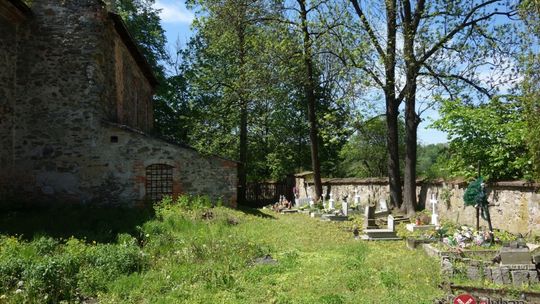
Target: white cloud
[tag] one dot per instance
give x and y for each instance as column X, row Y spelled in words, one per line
column 173, row 11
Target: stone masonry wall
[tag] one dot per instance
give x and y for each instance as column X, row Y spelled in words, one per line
column 8, row 41
column 57, row 96
column 515, row 206
column 64, row 150
column 120, row 168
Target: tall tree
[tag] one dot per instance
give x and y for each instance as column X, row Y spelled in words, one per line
column 229, row 29
column 434, row 35
column 144, row 24
column 440, row 30
column 310, row 97
column 530, row 86
column 312, row 22
column 384, row 51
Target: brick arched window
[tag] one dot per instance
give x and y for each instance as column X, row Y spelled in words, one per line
column 159, row 181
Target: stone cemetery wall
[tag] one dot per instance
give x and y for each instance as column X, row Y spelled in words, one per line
column 515, row 206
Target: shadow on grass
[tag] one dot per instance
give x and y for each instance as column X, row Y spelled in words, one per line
column 255, row 212
column 100, row 224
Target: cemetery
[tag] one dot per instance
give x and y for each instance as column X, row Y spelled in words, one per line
column 470, row 258
column 282, row 152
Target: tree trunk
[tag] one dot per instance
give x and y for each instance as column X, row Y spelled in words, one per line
column 243, row 149
column 311, row 102
column 412, row 120
column 242, row 173
column 392, row 106
column 392, row 142
column 409, row 185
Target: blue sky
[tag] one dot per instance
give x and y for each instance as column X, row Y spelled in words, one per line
column 176, row 20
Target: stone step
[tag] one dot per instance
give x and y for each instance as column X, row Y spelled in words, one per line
column 368, row 238
column 332, row 217
column 380, row 233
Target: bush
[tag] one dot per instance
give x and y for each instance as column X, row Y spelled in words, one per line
column 46, row 271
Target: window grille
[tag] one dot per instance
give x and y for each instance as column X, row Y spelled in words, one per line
column 159, row 181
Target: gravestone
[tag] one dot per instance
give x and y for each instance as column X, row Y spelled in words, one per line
column 514, row 254
column 388, row 234
column 331, row 202
column 383, row 208
column 369, row 215
column 434, row 215
column 356, row 198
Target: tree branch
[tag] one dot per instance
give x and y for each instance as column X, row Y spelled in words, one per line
column 368, row 29
column 465, row 23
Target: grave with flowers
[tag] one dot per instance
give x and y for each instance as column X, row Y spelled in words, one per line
column 480, row 256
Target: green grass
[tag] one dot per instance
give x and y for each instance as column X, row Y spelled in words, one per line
column 181, row 256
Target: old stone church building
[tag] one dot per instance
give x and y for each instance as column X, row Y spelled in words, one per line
column 76, row 111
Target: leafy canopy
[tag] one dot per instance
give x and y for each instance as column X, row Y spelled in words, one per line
column 492, row 134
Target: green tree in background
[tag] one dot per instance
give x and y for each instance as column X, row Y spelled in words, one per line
column 530, row 13
column 493, row 134
column 143, row 23
column 430, row 160
column 365, row 155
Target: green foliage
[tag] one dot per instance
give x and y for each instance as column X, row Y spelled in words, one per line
column 365, row 154
column 240, row 60
column 48, row 271
column 143, row 23
column 493, row 134
column 429, row 160
column 186, row 256
column 530, row 63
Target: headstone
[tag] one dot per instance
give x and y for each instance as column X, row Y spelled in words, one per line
column 383, row 206
column 512, row 255
column 369, row 215
column 331, row 202
column 345, row 208
column 356, row 198
column 391, row 225
column 434, row 215
column 388, row 234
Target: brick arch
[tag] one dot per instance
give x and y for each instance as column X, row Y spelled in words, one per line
column 159, row 181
